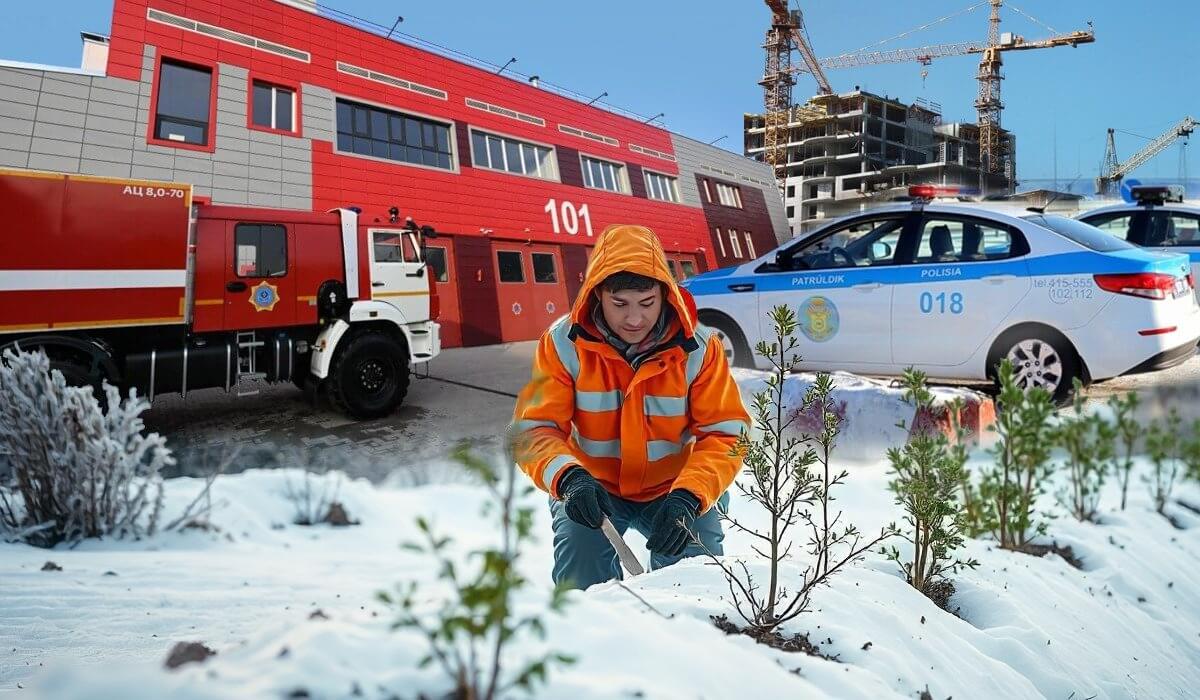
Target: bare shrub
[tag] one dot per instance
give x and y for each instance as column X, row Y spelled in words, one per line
column 77, row 470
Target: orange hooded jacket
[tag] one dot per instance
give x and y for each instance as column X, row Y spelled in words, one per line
column 670, row 424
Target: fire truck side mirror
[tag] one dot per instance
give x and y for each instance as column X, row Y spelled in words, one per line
column 428, row 232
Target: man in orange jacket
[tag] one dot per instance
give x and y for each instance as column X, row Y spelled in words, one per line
column 631, row 414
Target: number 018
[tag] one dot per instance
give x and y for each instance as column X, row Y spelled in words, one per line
column 941, row 303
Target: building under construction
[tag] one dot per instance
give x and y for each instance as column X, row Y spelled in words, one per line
column 846, row 151
column 839, row 151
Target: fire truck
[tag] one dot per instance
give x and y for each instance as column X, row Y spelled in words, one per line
column 132, row 283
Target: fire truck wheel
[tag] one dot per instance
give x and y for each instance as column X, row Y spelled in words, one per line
column 369, row 377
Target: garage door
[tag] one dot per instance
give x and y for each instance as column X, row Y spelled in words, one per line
column 531, row 289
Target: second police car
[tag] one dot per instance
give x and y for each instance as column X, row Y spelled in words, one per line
column 1155, row 217
column 952, row 290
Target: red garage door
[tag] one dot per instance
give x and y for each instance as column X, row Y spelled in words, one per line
column 440, row 256
column 531, row 289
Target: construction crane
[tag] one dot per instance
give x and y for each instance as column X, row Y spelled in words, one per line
column 1113, row 171
column 992, row 145
column 786, row 34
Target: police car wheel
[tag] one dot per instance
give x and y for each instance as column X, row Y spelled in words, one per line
column 1044, row 362
column 737, row 352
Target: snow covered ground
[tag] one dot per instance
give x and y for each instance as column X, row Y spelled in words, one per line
column 1126, row 626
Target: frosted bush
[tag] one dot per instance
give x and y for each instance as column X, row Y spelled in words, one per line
column 75, row 470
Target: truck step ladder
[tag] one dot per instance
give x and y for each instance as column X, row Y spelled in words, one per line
column 247, row 365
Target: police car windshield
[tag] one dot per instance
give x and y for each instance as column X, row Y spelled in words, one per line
column 1085, row 235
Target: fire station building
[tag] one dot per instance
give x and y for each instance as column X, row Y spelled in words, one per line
column 271, row 103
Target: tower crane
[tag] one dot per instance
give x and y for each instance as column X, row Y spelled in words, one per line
column 786, row 34
column 993, row 147
column 1113, row 172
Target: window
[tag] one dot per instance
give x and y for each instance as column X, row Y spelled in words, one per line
column 791, row 212
column 952, row 240
column 381, row 133
column 734, row 244
column 861, row 243
column 671, row 267
column 260, row 250
column 183, row 104
column 435, row 257
column 729, row 195
column 689, row 268
column 603, row 175
column 750, row 246
column 1118, row 224
column 544, row 271
column 661, row 187
column 720, row 241
column 272, row 107
column 1173, row 228
column 507, row 154
column 1085, row 235
column 511, row 269
column 791, row 191
column 394, row 247
column 707, row 194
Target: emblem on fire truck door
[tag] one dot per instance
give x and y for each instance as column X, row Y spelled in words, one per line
column 264, row 296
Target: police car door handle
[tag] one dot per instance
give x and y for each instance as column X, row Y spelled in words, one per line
column 235, row 286
column 741, row 287
column 377, row 284
column 998, row 279
column 867, row 286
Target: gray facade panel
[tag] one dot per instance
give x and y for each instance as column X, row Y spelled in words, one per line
column 67, row 104
column 12, row 125
column 236, row 74
column 266, row 137
column 47, row 130
column 107, row 154
column 107, row 138
column 302, row 154
column 41, row 161
column 198, row 179
column 104, row 168
column 237, row 119
column 130, row 87
column 146, row 172
column 199, row 163
column 17, row 78
column 297, row 202
column 265, row 186
column 258, row 148
column 53, row 85
column 290, row 190
column 75, row 78
column 116, row 126
column 227, row 170
column 293, row 174
column 228, row 91
column 23, row 96
column 113, row 97
column 61, row 117
column 223, row 196
column 229, row 155
column 259, row 199
column 54, row 147
column 14, row 142
column 111, row 111
column 259, row 172
column 14, row 159
column 154, row 160
column 236, row 132
column 17, row 110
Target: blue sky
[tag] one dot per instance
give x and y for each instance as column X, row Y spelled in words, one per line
column 699, row 61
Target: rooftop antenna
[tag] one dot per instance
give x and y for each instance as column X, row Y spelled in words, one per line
column 660, row 114
column 506, row 65
column 593, row 100
column 714, row 141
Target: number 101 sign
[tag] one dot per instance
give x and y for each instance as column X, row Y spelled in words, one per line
column 567, row 217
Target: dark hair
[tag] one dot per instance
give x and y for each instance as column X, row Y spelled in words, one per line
column 621, row 281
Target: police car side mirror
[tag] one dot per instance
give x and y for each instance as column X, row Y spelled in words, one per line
column 782, row 260
column 880, row 250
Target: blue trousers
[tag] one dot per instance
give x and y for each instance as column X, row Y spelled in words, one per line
column 583, row 556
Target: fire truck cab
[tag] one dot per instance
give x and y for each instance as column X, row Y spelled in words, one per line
column 132, row 283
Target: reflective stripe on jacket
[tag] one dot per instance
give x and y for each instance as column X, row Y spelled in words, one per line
column 671, row 423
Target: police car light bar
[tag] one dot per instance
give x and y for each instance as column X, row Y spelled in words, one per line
column 932, row 191
column 1156, row 194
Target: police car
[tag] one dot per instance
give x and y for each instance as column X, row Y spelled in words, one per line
column 1155, row 218
column 952, row 290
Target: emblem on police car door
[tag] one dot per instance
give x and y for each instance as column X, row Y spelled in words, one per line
column 818, row 319
column 264, row 296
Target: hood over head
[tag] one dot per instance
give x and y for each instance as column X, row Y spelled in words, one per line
column 631, row 248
